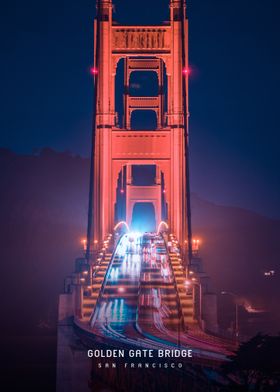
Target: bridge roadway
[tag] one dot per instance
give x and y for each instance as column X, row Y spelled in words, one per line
column 138, row 303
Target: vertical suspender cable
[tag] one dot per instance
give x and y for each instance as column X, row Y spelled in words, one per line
column 92, row 156
column 186, row 134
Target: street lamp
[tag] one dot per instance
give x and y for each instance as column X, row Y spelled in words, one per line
column 236, row 313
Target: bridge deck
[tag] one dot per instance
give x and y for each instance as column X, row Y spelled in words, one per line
column 139, row 295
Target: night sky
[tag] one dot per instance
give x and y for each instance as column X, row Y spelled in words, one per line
column 46, row 91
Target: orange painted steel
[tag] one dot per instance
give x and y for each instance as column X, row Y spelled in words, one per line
column 143, row 48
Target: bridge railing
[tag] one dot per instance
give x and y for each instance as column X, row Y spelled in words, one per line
column 180, row 311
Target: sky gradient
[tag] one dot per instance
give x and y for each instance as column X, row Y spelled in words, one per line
column 46, row 91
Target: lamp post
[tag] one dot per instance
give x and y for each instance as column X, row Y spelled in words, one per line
column 236, row 328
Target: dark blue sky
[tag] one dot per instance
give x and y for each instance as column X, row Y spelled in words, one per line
column 46, row 92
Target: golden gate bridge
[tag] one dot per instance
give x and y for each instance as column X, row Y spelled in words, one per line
column 131, row 288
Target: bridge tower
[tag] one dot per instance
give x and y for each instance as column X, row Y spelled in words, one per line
column 117, row 148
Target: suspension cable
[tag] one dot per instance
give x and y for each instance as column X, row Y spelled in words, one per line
column 92, row 155
column 186, row 134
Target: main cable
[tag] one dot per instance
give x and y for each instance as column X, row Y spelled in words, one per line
column 92, row 155
column 186, row 135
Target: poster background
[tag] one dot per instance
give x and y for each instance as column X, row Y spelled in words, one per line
column 46, row 96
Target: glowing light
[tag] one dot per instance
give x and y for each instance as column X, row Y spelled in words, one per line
column 84, row 242
column 133, row 236
column 120, row 224
column 251, row 309
column 122, row 190
column 185, row 71
column 165, row 272
column 269, row 273
column 94, row 71
column 162, row 223
column 121, row 289
column 195, row 243
column 95, row 241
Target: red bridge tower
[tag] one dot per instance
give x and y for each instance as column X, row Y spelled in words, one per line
column 118, row 148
